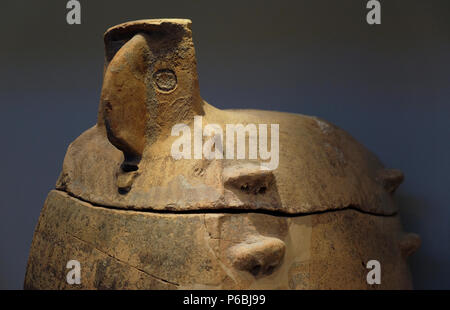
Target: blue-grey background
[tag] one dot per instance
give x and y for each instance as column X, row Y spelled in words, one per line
column 388, row 85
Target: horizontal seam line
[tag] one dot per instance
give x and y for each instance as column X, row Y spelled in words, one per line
column 226, row 210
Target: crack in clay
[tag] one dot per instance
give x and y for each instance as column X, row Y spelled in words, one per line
column 222, row 265
column 223, row 210
column 121, row 261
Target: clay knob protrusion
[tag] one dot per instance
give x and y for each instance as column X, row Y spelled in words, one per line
column 409, row 244
column 125, row 181
column 259, row 256
column 390, row 179
column 248, row 178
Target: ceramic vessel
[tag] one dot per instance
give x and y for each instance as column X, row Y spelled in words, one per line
column 136, row 217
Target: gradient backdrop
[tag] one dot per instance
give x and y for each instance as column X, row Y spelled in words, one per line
column 388, row 85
